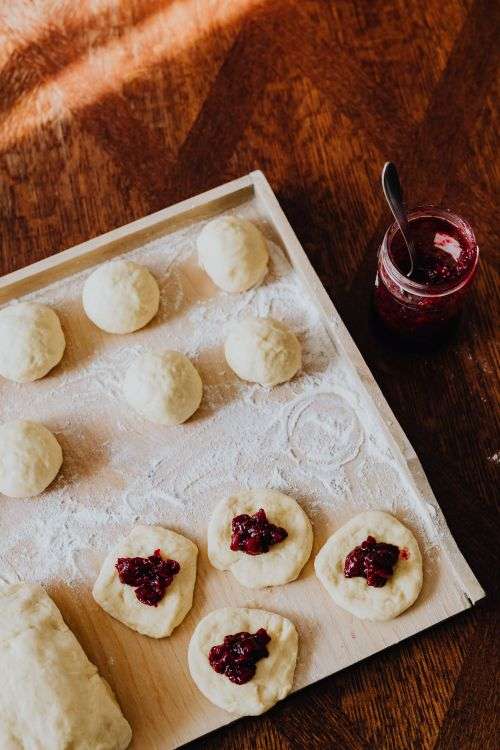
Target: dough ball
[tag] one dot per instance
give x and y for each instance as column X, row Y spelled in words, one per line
column 274, row 675
column 30, row 458
column 31, row 341
column 354, row 594
column 263, row 351
column 283, row 562
column 164, row 388
column 121, row 296
column 119, row 600
column 233, row 252
column 52, row 696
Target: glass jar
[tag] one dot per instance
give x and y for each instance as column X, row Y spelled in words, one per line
column 446, row 257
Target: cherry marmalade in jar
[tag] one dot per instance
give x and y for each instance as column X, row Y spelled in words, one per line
column 424, row 305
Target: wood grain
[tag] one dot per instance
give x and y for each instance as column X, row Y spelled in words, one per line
column 318, row 95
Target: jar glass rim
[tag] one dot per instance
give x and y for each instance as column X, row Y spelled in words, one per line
column 414, row 287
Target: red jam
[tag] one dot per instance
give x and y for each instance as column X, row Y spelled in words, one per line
column 254, row 534
column 238, row 655
column 151, row 576
column 372, row 560
column 446, row 256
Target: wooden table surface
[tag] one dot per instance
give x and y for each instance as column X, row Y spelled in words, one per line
column 113, row 109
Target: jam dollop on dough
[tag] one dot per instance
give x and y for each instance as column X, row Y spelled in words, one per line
column 151, row 576
column 254, row 534
column 237, row 656
column 372, row 560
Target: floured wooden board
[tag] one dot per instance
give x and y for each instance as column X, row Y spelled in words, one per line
column 327, row 438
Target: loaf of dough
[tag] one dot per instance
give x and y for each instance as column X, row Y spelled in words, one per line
column 51, row 696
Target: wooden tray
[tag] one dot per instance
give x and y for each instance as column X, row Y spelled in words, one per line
column 150, row 678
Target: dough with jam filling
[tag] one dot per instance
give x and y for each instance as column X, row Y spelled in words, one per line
column 353, row 594
column 273, row 678
column 119, row 599
column 283, row 561
column 52, row 696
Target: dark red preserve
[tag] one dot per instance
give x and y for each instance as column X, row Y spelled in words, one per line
column 238, row 655
column 150, row 576
column 254, row 534
column 372, row 560
column 431, row 298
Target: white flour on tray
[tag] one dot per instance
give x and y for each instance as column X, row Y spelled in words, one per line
column 317, row 438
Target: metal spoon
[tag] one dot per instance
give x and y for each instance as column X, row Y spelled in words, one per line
column 394, row 196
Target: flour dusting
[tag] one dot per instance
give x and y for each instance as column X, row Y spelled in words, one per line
column 317, row 438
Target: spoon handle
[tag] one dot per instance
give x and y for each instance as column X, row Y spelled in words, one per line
column 394, row 196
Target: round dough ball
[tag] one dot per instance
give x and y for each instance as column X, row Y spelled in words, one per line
column 263, row 351
column 273, row 678
column 119, row 599
column 121, row 296
column 164, row 388
column 283, row 562
column 30, row 458
column 354, row 594
column 31, row 341
column 233, row 252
